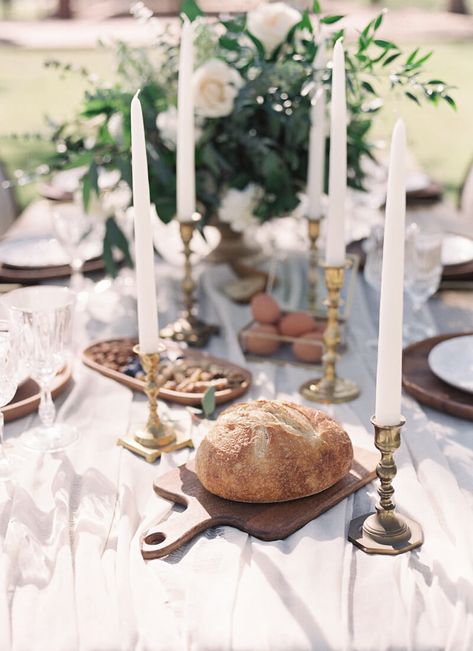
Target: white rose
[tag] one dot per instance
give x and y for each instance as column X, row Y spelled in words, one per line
column 115, row 127
column 237, row 207
column 166, row 123
column 270, row 23
column 215, row 86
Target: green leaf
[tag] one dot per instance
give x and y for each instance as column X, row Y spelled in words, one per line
column 412, row 97
column 437, row 82
column 89, row 184
column 391, row 58
column 329, row 20
column 386, row 45
column 338, row 35
column 165, row 207
column 229, row 43
column 367, row 86
column 450, row 101
column 191, row 9
column 412, row 56
column 423, row 59
column 114, row 238
column 208, row 402
column 236, row 26
column 379, row 20
column 305, row 22
column 257, row 43
column 366, row 30
column 316, row 7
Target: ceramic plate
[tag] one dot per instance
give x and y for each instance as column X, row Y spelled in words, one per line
column 452, row 362
column 39, row 252
column 456, row 249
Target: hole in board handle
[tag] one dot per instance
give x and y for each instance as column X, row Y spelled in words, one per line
column 155, row 538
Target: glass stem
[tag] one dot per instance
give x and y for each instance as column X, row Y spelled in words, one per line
column 47, row 410
column 77, row 266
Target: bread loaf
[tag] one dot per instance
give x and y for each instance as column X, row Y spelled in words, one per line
column 267, row 451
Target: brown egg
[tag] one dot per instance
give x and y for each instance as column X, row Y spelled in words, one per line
column 257, row 341
column 305, row 350
column 296, row 324
column 265, row 309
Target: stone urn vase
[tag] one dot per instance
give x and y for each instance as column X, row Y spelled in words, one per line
column 233, row 246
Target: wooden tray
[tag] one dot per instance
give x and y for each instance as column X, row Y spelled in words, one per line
column 35, row 274
column 166, row 394
column 27, row 397
column 419, row 381
column 265, row 521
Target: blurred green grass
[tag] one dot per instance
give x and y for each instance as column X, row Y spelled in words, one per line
column 439, row 138
column 30, row 94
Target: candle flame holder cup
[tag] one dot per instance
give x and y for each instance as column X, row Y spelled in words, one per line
column 313, row 228
column 385, row 531
column 155, row 436
column 189, row 328
column 330, row 388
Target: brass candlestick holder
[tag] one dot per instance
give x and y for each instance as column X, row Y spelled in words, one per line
column 188, row 328
column 386, row 532
column 155, row 436
column 330, row 388
column 314, row 232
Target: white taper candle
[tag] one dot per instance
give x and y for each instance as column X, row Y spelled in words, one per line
column 185, row 157
column 144, row 254
column 316, row 167
column 316, row 162
column 389, row 370
column 335, row 251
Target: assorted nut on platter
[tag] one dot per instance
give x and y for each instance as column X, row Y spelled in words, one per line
column 183, row 375
column 196, row 376
column 295, row 336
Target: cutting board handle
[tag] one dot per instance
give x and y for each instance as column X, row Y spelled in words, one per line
column 171, row 534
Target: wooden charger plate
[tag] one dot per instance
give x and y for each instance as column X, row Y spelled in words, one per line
column 35, row 274
column 27, row 397
column 421, row 383
column 167, row 394
column 274, row 521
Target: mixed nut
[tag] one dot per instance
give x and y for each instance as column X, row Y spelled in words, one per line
column 183, row 375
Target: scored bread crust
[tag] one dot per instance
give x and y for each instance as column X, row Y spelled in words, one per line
column 268, row 451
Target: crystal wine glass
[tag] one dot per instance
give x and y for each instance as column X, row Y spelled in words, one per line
column 73, row 228
column 8, row 386
column 423, row 274
column 41, row 320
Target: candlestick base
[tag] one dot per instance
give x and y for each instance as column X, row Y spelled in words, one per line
column 386, row 532
column 329, row 392
column 189, row 330
column 180, row 440
column 390, row 536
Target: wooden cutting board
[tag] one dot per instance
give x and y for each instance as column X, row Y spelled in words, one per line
column 264, row 521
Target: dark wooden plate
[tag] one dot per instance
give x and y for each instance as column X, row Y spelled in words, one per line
column 27, row 397
column 421, row 383
column 273, row 521
column 35, row 274
column 88, row 357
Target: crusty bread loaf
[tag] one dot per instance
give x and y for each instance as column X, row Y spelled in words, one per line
column 268, row 451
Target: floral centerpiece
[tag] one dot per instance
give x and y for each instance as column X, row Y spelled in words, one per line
column 253, row 82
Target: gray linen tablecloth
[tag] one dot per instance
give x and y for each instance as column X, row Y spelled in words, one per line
column 71, row 572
